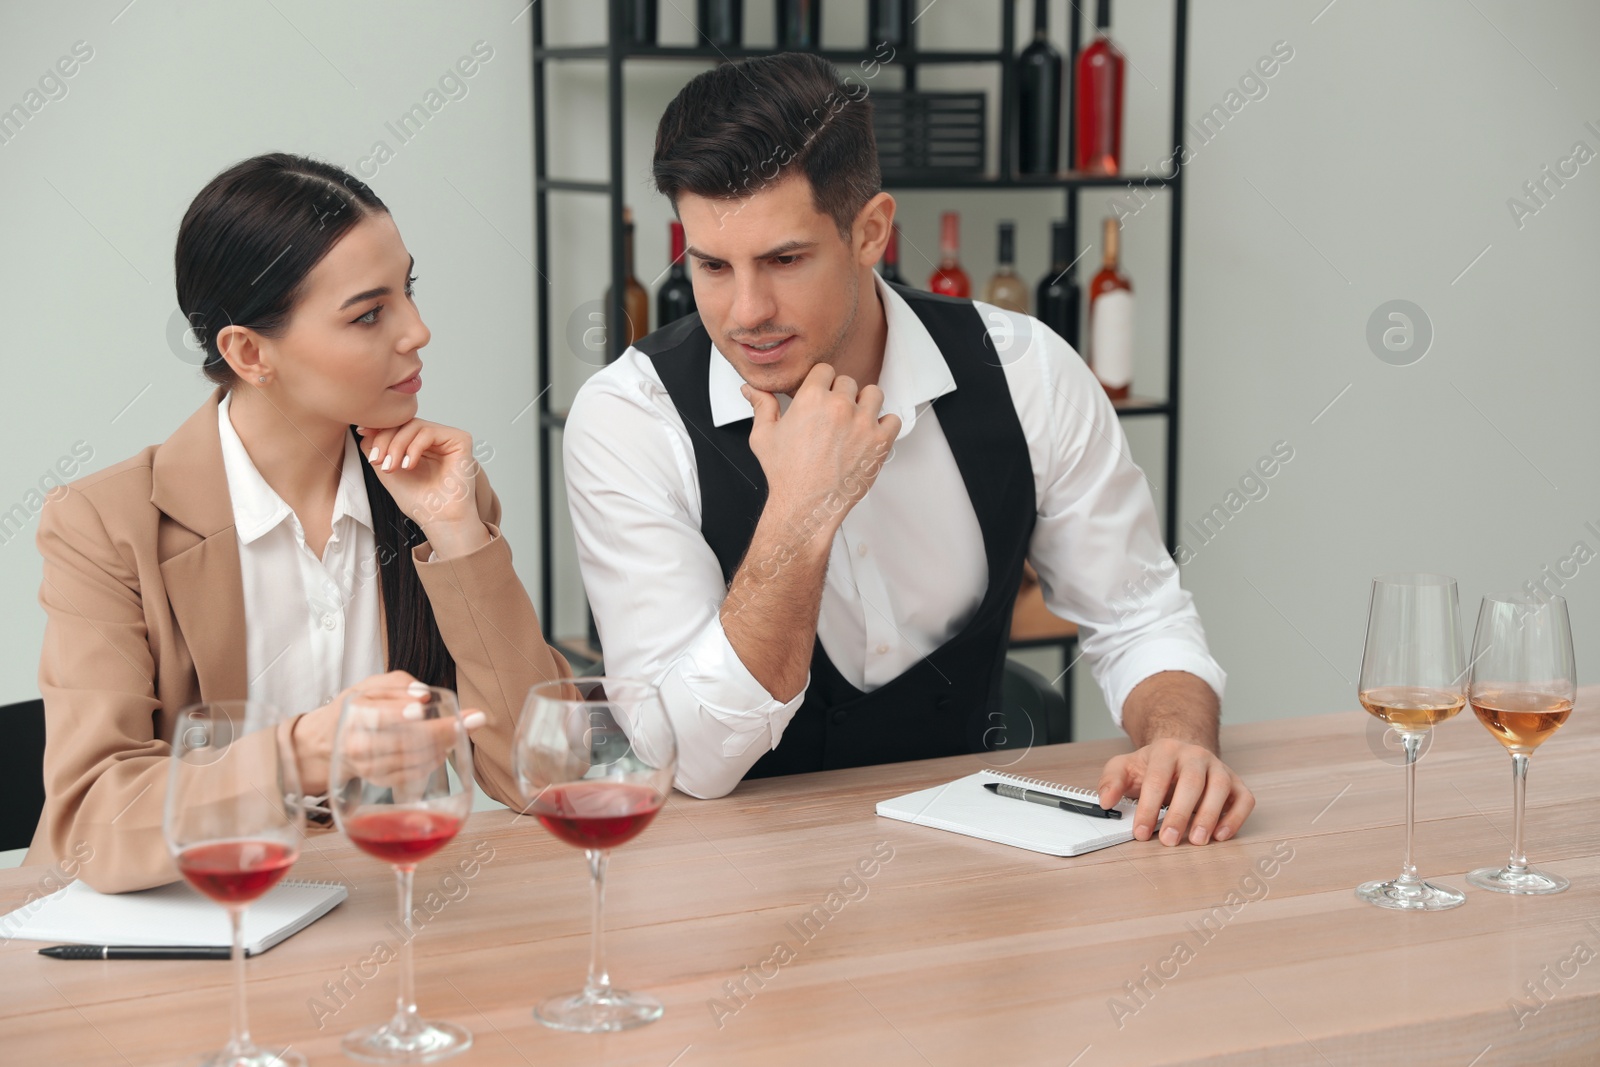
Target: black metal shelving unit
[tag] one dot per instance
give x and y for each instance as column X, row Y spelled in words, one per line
column 616, row 54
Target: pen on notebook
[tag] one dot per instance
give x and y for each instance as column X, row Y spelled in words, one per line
column 137, row 952
column 1050, row 800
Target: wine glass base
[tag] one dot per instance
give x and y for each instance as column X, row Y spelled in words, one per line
column 1525, row 881
column 423, row 1042
column 250, row 1056
column 1412, row 895
column 601, row 1013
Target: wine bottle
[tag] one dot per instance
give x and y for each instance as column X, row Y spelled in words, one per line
column 1005, row 289
column 639, row 20
column 721, row 23
column 635, row 301
column 1097, row 90
column 1039, row 99
column 1058, row 290
column 948, row 278
column 799, row 25
column 889, row 269
column 1111, row 321
column 888, row 22
column 675, row 298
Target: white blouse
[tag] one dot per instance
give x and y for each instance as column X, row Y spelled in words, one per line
column 311, row 625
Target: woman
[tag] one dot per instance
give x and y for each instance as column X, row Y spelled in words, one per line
column 300, row 533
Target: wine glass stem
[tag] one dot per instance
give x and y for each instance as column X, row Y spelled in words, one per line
column 599, row 983
column 405, row 1012
column 239, row 1043
column 1519, row 785
column 1412, row 742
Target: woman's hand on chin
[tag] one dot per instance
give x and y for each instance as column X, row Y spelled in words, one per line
column 430, row 471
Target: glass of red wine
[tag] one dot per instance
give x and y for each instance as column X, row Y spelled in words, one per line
column 400, row 786
column 233, row 822
column 595, row 757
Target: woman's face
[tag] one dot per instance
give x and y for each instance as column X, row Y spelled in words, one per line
column 351, row 350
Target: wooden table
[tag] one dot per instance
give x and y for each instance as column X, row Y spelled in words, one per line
column 954, row 951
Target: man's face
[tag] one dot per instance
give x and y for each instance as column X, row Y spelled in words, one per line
column 776, row 285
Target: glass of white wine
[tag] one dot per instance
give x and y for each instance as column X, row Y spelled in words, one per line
column 1523, row 686
column 1413, row 677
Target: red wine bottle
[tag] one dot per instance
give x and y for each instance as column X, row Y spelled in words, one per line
column 675, row 298
column 888, row 22
column 799, row 25
column 1097, row 90
column 1111, row 320
column 948, row 277
column 889, row 269
column 1058, row 296
column 721, row 23
column 1039, row 99
column 639, row 21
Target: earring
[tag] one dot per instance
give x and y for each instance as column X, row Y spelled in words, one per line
column 262, row 379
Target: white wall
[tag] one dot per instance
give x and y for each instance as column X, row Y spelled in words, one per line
column 1377, row 167
column 93, row 187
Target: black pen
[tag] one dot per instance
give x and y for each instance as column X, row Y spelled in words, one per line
column 1050, row 800
column 137, row 952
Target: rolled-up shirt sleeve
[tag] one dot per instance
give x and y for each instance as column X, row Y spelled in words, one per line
column 1096, row 542
column 654, row 585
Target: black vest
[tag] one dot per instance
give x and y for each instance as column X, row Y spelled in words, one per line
column 949, row 702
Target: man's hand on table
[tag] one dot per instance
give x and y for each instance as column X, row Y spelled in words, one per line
column 1172, row 716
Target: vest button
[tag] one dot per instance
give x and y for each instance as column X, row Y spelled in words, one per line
column 839, row 717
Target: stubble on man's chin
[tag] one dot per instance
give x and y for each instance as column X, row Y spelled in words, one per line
column 788, row 387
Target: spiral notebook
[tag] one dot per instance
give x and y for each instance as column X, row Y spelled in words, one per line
column 173, row 914
column 964, row 806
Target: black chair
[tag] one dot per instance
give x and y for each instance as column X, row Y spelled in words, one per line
column 1032, row 711
column 21, row 773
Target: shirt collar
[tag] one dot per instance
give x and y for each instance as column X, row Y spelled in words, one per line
column 914, row 371
column 257, row 507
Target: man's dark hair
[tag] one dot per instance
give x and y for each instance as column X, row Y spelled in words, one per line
column 739, row 127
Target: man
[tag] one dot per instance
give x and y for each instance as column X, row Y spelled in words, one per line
column 805, row 510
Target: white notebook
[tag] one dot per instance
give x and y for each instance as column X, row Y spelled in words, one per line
column 964, row 806
column 173, row 914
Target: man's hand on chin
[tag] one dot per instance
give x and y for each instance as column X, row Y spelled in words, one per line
column 1172, row 716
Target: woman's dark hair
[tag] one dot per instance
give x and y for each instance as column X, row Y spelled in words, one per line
column 245, row 247
column 741, row 126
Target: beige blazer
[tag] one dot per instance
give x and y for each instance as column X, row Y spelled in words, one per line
column 145, row 608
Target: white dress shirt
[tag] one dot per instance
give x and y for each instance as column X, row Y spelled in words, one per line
column 906, row 570
column 311, row 625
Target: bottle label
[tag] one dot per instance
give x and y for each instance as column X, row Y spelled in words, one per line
column 1111, row 337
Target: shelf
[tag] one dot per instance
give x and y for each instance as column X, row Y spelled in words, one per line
column 1049, row 182
column 1064, row 180
column 572, row 185
column 1033, row 626
column 1141, row 405
column 1132, row 406
column 980, row 182
column 835, row 55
